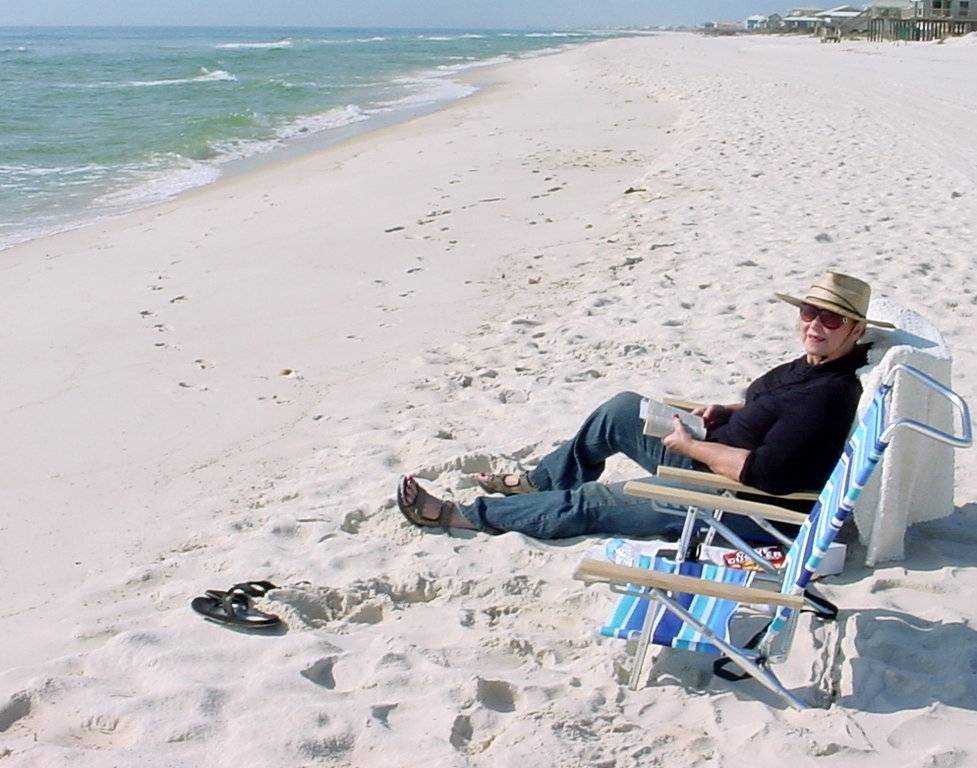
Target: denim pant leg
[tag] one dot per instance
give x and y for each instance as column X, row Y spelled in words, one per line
column 590, row 509
column 615, row 427
column 596, row 509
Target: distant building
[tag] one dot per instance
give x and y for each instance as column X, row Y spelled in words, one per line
column 920, row 20
column 892, row 9
column 755, row 24
column 839, row 15
column 722, row 28
column 801, row 23
column 948, row 9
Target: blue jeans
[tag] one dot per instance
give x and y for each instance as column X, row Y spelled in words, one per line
column 570, row 502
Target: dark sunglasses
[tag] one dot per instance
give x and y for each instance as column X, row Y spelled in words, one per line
column 830, row 320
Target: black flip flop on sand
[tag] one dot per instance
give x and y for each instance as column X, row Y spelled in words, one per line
column 246, row 588
column 234, row 610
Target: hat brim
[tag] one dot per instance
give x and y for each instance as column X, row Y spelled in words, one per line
column 814, row 302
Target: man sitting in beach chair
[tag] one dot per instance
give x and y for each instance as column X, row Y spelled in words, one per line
column 786, row 437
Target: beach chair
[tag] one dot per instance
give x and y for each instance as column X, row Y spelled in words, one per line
column 692, row 606
column 704, row 509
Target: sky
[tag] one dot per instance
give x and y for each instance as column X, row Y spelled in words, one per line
column 444, row 14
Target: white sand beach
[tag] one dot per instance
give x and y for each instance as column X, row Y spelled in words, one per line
column 227, row 386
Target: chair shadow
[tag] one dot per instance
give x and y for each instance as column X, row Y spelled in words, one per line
column 931, row 546
column 902, row 662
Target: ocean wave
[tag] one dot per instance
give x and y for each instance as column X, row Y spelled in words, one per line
column 429, row 89
column 474, row 63
column 15, row 49
column 349, row 40
column 306, row 125
column 554, row 34
column 324, row 121
column 450, row 38
column 205, row 76
column 34, row 171
column 163, row 178
column 272, row 46
column 540, row 52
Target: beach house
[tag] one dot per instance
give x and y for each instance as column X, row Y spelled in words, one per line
column 802, row 19
column 949, row 9
column 839, row 15
column 920, row 20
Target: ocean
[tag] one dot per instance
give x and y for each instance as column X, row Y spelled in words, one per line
column 97, row 121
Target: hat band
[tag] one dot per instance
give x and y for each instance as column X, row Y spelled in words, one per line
column 835, row 298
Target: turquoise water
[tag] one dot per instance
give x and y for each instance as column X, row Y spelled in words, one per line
column 97, row 121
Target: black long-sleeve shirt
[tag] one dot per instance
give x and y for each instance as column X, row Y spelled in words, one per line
column 795, row 423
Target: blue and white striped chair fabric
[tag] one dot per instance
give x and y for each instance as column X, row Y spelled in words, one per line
column 669, row 630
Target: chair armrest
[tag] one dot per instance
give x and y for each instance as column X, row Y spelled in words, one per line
column 592, row 571
column 710, row 480
column 712, row 501
column 684, row 405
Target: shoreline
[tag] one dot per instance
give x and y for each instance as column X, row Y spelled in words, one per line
column 294, row 146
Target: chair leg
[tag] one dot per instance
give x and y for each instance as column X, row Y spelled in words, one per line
column 644, row 639
column 762, row 675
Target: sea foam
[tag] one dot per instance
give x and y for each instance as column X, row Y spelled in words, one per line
column 276, row 45
column 205, row 76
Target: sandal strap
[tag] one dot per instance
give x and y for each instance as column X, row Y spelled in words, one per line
column 496, row 483
column 412, row 511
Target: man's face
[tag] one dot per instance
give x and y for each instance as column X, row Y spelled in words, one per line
column 823, row 343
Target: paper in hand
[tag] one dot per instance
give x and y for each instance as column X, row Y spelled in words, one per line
column 658, row 420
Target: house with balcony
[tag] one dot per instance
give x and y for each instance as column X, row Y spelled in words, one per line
column 920, row 20
column 837, row 16
column 955, row 10
column 801, row 19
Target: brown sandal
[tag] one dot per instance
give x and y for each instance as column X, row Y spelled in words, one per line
column 413, row 511
column 499, row 484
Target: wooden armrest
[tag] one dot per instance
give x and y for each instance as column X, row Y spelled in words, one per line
column 685, row 405
column 710, row 480
column 712, row 501
column 590, row 571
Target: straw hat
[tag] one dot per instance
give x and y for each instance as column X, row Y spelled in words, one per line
column 844, row 294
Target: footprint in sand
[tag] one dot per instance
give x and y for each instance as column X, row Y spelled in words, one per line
column 461, row 732
column 497, row 695
column 16, row 708
column 321, row 672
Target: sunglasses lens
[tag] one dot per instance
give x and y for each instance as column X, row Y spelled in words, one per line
column 808, row 313
column 830, row 320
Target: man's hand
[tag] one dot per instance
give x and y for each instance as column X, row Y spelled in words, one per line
column 714, row 415
column 679, row 441
column 722, row 459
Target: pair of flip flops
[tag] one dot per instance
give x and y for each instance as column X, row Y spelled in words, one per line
column 233, row 607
